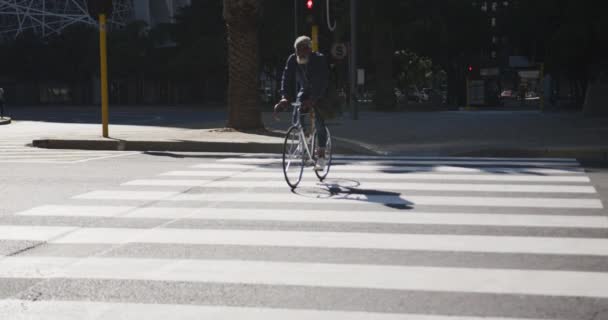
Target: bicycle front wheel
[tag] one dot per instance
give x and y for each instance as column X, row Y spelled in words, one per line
column 328, row 156
column 293, row 157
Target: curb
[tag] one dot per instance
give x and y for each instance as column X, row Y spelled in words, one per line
column 5, row 120
column 341, row 146
column 184, row 146
column 175, row 146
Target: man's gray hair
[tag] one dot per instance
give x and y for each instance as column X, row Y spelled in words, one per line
column 302, row 40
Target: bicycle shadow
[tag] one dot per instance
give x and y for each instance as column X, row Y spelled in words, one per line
column 343, row 189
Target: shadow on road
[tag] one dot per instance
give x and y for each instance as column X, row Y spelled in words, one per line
column 343, row 189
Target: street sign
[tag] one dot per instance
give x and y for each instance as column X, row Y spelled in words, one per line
column 339, row 51
column 360, row 77
column 489, row 72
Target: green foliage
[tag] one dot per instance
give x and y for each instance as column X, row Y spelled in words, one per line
column 412, row 69
column 200, row 37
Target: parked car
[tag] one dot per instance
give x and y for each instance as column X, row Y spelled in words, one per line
column 508, row 95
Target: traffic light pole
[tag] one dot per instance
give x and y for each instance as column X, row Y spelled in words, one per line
column 353, row 59
column 103, row 54
column 295, row 19
column 314, row 32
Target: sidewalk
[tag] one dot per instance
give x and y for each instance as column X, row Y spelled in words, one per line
column 134, row 138
column 447, row 133
column 481, row 133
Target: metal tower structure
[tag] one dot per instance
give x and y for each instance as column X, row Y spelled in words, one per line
column 48, row 17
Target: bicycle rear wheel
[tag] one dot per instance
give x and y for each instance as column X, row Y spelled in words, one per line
column 293, row 157
column 328, row 156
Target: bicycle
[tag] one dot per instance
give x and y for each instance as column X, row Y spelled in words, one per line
column 299, row 150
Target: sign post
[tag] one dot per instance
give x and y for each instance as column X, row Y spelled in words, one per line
column 353, row 59
column 103, row 54
column 101, row 9
column 315, row 38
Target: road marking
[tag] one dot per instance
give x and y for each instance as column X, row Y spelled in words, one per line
column 379, row 217
column 374, row 185
column 375, row 168
column 76, row 211
column 393, row 199
column 78, row 310
column 278, row 174
column 478, row 161
column 32, row 233
column 310, row 239
column 473, row 280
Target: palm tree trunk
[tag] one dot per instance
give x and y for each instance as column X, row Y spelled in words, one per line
column 241, row 25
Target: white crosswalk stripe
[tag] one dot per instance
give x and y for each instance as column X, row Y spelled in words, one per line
column 19, row 152
column 368, row 216
column 363, row 198
column 274, row 175
column 405, row 168
column 380, row 239
column 96, row 310
column 504, row 244
column 555, row 283
column 477, row 162
column 375, row 185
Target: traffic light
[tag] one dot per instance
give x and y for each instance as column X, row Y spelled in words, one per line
column 309, row 4
column 97, row 7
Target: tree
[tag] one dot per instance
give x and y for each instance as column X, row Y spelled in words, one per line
column 241, row 18
column 443, row 30
column 413, row 69
column 200, row 35
column 567, row 36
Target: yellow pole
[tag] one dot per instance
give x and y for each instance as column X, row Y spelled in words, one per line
column 315, row 38
column 103, row 53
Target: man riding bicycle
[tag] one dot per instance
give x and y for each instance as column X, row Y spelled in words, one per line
column 310, row 72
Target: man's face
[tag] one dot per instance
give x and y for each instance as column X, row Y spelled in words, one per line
column 303, row 53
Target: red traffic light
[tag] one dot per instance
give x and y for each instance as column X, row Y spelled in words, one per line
column 309, row 4
column 470, row 68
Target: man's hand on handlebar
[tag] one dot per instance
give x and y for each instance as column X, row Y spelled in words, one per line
column 284, row 103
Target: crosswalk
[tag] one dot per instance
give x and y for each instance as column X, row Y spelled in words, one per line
column 424, row 238
column 20, row 152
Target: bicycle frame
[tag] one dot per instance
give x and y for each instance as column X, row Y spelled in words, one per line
column 295, row 121
column 304, row 150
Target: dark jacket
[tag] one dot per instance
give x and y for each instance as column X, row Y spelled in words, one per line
column 311, row 79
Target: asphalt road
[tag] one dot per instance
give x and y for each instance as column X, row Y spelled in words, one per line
column 182, row 116
column 191, row 236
